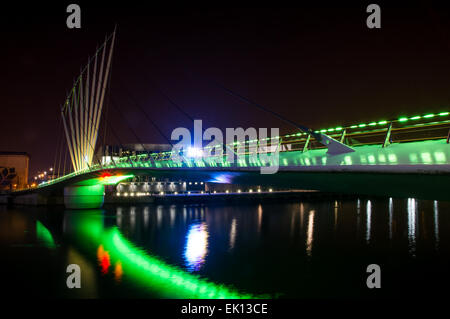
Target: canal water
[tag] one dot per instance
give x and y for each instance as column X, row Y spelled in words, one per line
column 296, row 249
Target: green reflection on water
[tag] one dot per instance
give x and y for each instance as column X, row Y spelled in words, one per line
column 44, row 236
column 149, row 271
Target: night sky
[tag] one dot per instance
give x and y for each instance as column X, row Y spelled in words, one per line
column 320, row 67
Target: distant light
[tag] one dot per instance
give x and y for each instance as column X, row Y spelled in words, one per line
column 201, row 183
column 259, row 190
column 161, row 193
column 176, row 193
column 250, row 190
column 202, row 192
column 117, row 194
column 444, row 114
column 270, row 189
column 227, row 191
column 196, row 183
column 189, row 193
column 416, row 117
column 125, row 194
column 362, row 125
column 214, row 192
column 403, row 119
column 382, row 122
column 428, row 116
column 239, row 190
column 131, row 194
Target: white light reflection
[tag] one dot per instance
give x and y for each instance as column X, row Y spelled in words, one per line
column 196, row 246
column 436, row 222
column 336, row 206
column 391, row 216
column 132, row 219
column 310, row 233
column 233, row 233
column 119, row 216
column 159, row 216
column 146, row 215
column 412, row 220
column 302, row 212
column 172, row 215
column 369, row 220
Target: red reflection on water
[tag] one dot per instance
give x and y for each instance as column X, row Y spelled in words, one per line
column 103, row 259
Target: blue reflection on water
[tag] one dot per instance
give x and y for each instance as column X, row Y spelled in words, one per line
column 196, row 247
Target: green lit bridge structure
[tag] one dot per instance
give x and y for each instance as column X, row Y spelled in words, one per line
column 408, row 156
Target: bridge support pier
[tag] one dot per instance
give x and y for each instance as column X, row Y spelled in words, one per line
column 84, row 197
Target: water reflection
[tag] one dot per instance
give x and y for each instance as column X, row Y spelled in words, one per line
column 310, row 233
column 336, row 206
column 412, row 220
column 260, row 213
column 391, row 216
column 196, row 246
column 119, row 255
column 152, row 239
column 133, row 218
column 119, row 216
column 146, row 216
column 233, row 233
column 103, row 259
column 436, row 223
column 118, row 272
column 159, row 216
column 172, row 215
column 368, row 220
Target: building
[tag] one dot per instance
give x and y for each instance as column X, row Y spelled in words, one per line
column 14, row 170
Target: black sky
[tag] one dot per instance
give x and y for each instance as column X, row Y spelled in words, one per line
column 319, row 66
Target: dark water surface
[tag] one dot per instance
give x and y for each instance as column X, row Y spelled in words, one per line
column 316, row 249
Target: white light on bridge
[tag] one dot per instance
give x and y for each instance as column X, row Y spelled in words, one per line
column 194, row 152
